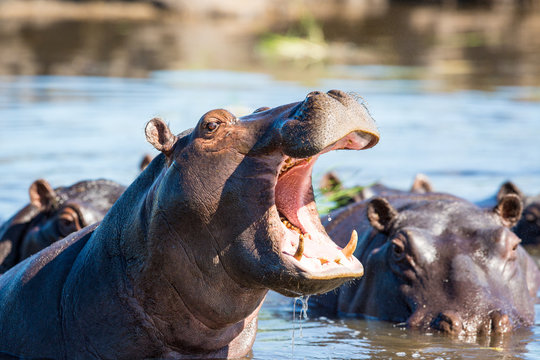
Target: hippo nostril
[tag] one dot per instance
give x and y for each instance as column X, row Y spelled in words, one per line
column 337, row 93
column 313, row 93
column 448, row 322
column 500, row 323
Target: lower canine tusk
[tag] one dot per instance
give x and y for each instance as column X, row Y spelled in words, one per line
column 300, row 250
column 351, row 246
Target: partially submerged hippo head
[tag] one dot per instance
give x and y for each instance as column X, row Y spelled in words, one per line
column 438, row 262
column 52, row 215
column 528, row 226
column 242, row 188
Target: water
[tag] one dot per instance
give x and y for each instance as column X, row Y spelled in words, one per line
column 65, row 129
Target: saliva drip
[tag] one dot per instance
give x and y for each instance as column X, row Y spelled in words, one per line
column 302, row 317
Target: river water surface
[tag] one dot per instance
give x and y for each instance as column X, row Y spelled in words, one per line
column 65, row 129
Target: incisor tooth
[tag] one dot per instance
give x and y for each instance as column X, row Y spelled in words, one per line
column 351, row 246
column 300, row 250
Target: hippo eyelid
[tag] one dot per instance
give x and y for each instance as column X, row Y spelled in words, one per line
column 80, row 218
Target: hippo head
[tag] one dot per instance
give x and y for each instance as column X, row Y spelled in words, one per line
column 238, row 192
column 440, row 262
column 62, row 211
column 528, row 227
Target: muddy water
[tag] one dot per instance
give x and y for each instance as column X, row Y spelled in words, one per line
column 66, row 129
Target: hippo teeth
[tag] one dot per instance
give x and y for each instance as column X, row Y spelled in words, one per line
column 300, row 250
column 290, row 225
column 290, row 162
column 348, row 250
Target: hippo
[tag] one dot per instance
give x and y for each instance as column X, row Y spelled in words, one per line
column 528, row 226
column 180, row 265
column 52, row 215
column 332, row 188
column 435, row 262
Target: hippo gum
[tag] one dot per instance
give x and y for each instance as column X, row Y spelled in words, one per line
column 434, row 261
column 52, row 215
column 181, row 264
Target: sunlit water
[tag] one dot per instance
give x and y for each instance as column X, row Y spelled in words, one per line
column 467, row 142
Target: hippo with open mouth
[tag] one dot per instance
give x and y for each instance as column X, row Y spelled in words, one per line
column 180, row 265
column 435, row 261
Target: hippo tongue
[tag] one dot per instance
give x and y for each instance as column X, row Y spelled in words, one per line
column 294, row 196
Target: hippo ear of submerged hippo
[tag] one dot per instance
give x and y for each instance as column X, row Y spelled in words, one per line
column 42, row 195
column 160, row 136
column 509, row 209
column 381, row 214
column 421, row 184
column 509, row 188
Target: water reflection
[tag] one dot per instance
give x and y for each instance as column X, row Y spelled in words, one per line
column 467, row 48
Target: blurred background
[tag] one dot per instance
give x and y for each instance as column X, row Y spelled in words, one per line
column 453, row 85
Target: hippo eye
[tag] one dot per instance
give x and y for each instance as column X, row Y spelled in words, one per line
column 211, row 126
column 398, row 248
column 68, row 222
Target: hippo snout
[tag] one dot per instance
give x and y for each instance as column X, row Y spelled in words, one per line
column 322, row 120
column 451, row 323
column 448, row 322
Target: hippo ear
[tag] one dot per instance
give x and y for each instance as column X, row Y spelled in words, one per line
column 509, row 188
column 159, row 135
column 42, row 194
column 380, row 214
column 330, row 183
column 509, row 209
column 421, row 184
column 145, row 161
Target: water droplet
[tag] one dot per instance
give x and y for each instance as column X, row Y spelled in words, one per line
column 303, row 316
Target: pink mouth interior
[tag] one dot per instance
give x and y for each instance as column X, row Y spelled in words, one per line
column 296, row 206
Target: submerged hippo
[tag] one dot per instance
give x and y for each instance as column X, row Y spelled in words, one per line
column 181, row 264
column 52, row 215
column 332, row 189
column 528, row 226
column 434, row 261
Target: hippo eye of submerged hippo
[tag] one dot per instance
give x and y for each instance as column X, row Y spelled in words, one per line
column 398, row 247
column 68, row 221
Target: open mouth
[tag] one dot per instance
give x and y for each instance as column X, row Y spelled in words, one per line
column 306, row 245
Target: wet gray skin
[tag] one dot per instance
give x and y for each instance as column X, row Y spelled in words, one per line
column 434, row 261
column 181, row 264
column 52, row 215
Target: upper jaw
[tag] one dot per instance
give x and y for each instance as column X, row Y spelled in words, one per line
column 323, row 120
